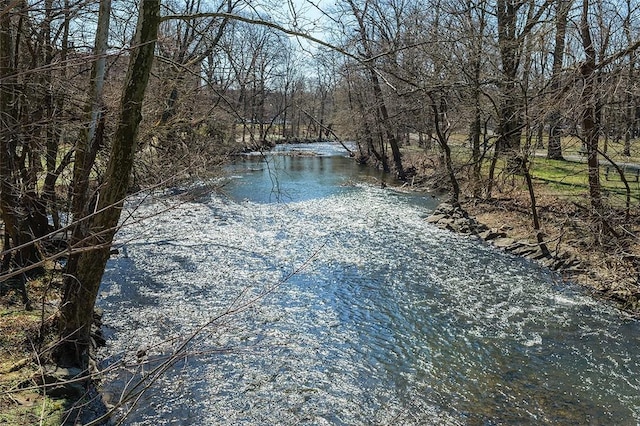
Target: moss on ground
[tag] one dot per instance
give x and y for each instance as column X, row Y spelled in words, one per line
column 23, row 335
column 30, row 408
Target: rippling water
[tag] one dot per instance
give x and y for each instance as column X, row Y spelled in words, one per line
column 349, row 310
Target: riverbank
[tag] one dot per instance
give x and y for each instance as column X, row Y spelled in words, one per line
column 608, row 269
column 609, row 264
column 33, row 390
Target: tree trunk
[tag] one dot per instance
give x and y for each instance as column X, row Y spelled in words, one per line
column 384, row 121
column 554, row 148
column 534, row 209
column 590, row 124
column 81, row 286
column 87, row 146
column 381, row 106
column 8, row 124
column 439, row 111
column 510, row 114
column 14, row 205
column 629, row 97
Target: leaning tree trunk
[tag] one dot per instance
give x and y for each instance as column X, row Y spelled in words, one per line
column 87, row 145
column 381, row 106
column 443, row 140
column 81, row 286
column 534, row 208
column 385, row 122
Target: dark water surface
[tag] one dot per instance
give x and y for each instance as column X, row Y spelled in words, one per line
column 387, row 320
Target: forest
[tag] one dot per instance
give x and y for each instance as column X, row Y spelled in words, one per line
column 525, row 107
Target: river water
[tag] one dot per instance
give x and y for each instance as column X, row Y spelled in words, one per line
column 312, row 295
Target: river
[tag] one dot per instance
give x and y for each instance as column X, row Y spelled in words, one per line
column 313, row 295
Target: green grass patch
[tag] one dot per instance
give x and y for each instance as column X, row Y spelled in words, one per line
column 563, row 172
column 30, row 408
column 567, row 179
column 574, row 173
column 20, row 403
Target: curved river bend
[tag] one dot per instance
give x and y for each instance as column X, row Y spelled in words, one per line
column 351, row 310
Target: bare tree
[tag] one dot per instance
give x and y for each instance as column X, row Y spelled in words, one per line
column 30, row 128
column 82, row 283
column 554, row 147
column 90, row 141
column 590, row 117
column 515, row 20
column 368, row 56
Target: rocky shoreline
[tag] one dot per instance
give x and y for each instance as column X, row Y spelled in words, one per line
column 455, row 219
